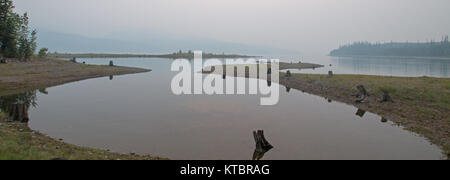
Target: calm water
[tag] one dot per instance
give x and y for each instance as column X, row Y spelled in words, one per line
column 138, row 113
column 377, row 66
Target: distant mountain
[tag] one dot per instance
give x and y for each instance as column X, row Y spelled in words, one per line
column 430, row 49
column 70, row 43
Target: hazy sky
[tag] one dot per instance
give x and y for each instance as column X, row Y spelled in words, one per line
column 309, row 26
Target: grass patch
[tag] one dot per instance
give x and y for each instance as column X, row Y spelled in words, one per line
column 18, row 142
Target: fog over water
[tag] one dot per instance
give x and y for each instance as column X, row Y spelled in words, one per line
column 305, row 26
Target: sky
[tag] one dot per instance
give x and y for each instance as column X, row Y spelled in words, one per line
column 308, row 26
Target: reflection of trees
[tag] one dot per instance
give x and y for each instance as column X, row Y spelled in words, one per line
column 17, row 106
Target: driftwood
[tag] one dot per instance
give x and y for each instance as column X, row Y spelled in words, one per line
column 19, row 112
column 262, row 145
column 111, row 63
column 362, row 94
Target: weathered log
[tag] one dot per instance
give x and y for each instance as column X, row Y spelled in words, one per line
column 362, row 94
column 262, row 145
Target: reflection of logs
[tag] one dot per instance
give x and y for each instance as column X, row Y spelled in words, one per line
column 19, row 112
column 262, row 145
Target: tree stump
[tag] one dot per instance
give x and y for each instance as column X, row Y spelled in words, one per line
column 330, row 73
column 262, row 145
column 386, row 97
column 360, row 113
column 362, row 94
column 288, row 74
column 3, row 61
column 111, row 63
column 19, row 112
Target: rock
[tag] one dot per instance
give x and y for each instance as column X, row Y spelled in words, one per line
column 74, row 60
column 111, row 63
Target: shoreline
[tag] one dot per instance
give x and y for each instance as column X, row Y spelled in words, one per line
column 17, row 77
column 397, row 57
column 165, row 56
column 18, row 141
column 421, row 104
column 408, row 110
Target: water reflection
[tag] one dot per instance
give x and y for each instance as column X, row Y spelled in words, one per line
column 394, row 66
column 17, row 106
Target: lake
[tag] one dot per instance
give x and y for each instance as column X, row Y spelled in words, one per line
column 385, row 66
column 138, row 113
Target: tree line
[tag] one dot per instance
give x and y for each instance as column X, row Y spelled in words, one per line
column 426, row 49
column 17, row 40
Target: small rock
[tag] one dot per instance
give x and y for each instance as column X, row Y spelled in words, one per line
column 60, row 139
